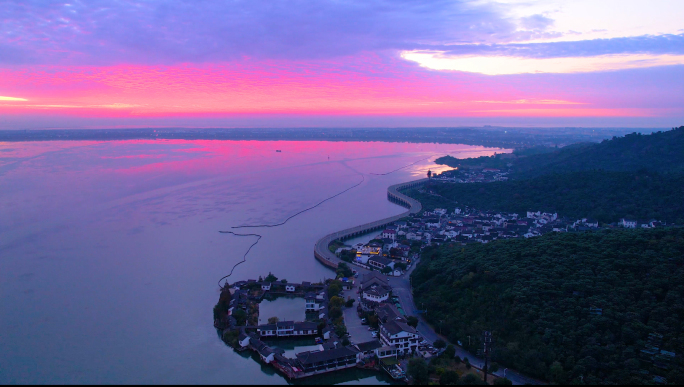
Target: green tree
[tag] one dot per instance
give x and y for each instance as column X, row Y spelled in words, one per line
column 270, row 278
column 343, row 270
column 418, row 371
column 335, row 313
column 449, row 378
column 493, row 368
column 340, row 330
column 336, row 302
column 350, row 302
column 334, row 289
column 439, row 344
column 386, row 270
column 240, row 316
column 556, row 373
column 471, row 380
column 412, row 321
column 502, row 382
column 450, row 351
column 273, row 320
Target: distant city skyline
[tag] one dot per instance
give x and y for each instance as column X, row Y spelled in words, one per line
column 376, row 63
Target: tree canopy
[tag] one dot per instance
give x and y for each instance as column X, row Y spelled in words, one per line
column 602, row 195
column 565, row 306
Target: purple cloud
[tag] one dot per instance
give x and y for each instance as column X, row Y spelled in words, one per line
column 536, row 22
column 111, row 31
column 662, row 44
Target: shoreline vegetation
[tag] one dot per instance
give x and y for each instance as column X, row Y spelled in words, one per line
column 489, row 136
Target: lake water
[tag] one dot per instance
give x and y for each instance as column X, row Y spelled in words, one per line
column 110, row 251
column 285, row 308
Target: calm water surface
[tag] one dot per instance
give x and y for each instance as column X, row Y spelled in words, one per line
column 110, row 251
column 285, row 308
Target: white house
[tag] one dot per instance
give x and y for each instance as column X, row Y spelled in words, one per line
column 627, row 223
column 389, row 234
column 380, row 262
column 375, row 287
column 265, row 286
column 533, row 215
column 386, row 351
column 243, row 340
column 313, row 304
column 290, row 287
column 399, row 335
column 265, row 352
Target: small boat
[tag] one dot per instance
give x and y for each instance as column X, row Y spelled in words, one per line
column 278, row 150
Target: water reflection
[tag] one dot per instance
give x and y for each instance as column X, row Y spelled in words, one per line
column 284, row 308
column 110, row 251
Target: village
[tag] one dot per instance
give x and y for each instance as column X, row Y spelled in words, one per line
column 358, row 320
column 397, row 247
column 380, row 336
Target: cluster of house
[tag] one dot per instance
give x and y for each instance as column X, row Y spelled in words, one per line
column 394, row 331
column 243, row 294
column 484, row 175
column 633, row 223
column 395, row 336
column 329, row 356
column 470, row 226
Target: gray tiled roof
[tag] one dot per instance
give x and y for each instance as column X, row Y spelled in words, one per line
column 322, row 356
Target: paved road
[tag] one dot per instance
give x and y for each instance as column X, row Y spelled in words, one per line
column 359, row 333
column 401, row 287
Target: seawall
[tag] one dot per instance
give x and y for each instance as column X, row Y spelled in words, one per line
column 329, row 259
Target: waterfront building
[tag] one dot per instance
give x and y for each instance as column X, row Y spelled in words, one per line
column 386, row 351
column 323, row 361
column 288, row 329
column 313, row 304
column 399, row 335
column 369, row 348
column 243, row 339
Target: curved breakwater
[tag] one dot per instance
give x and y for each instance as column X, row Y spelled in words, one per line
column 329, row 259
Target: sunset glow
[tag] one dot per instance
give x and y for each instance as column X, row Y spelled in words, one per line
column 68, row 65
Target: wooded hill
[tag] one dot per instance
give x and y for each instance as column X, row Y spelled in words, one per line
column 599, row 306
column 660, row 152
column 602, row 195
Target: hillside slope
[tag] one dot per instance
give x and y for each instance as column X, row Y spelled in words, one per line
column 565, row 306
column 602, row 195
column 660, row 152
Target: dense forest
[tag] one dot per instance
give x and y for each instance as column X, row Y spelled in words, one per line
column 605, row 196
column 574, row 307
column 660, row 151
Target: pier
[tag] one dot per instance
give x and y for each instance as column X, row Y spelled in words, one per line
column 326, row 257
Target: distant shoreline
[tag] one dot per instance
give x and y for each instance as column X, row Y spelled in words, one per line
column 496, row 137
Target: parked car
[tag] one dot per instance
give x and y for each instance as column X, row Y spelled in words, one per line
column 374, row 334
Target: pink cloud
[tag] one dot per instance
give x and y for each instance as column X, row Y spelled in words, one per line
column 368, row 85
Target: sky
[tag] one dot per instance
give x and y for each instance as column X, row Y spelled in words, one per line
column 299, row 63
